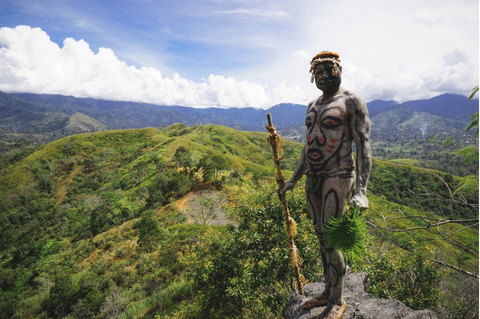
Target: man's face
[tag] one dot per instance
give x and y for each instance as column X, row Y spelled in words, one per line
column 325, row 77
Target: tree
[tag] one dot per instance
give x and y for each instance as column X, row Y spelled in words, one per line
column 207, row 208
column 183, row 157
column 212, row 165
column 210, row 206
column 149, row 233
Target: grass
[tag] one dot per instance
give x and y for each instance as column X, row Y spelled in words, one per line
column 152, row 281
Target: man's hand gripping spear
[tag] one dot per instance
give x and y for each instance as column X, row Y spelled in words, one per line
column 274, row 140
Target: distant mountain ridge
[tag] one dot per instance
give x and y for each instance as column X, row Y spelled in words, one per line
column 450, row 106
column 122, row 115
column 27, row 112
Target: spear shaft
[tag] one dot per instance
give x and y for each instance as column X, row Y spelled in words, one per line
column 274, row 140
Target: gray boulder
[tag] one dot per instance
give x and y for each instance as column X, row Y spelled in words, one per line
column 361, row 305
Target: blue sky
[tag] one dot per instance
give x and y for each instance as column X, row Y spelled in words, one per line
column 236, row 53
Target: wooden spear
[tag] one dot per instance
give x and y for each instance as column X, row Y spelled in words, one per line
column 274, row 140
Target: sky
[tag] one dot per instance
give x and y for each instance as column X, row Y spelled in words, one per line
column 236, row 53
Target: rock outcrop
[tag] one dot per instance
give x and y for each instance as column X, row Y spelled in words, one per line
column 361, row 305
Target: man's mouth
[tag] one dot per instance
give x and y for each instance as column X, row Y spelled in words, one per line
column 327, row 82
column 315, row 154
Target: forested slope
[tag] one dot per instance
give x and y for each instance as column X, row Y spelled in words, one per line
column 91, row 227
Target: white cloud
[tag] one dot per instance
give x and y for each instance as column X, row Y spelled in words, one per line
column 400, row 50
column 304, row 55
column 31, row 62
column 403, row 51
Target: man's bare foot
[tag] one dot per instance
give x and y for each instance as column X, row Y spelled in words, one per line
column 319, row 301
column 333, row 311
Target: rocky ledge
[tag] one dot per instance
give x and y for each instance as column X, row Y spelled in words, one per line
column 361, row 305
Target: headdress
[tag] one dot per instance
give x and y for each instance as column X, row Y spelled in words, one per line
column 324, row 56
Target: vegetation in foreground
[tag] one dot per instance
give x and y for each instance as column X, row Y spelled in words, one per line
column 92, row 227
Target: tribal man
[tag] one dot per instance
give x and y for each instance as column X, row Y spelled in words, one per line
column 334, row 121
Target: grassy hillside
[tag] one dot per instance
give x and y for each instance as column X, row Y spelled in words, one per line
column 118, row 224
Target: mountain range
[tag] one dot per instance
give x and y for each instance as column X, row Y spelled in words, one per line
column 59, row 115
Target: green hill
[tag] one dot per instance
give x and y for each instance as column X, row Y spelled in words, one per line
column 95, row 225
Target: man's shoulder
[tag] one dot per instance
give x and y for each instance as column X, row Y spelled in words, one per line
column 352, row 96
column 312, row 103
column 353, row 101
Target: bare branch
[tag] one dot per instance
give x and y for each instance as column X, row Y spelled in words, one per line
column 429, row 225
column 455, row 268
column 447, row 238
column 461, row 132
column 466, row 134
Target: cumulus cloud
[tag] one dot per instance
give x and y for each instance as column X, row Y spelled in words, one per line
column 31, row 62
column 304, row 55
column 452, row 75
column 403, row 50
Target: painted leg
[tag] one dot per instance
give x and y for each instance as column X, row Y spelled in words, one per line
column 314, row 201
column 336, row 274
column 323, row 299
column 336, row 190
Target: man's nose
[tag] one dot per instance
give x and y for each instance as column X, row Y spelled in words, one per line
column 324, row 74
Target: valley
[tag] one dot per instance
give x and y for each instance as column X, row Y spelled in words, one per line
column 182, row 220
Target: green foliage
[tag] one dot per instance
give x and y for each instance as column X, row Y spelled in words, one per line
column 474, row 92
column 468, row 185
column 62, row 296
column 109, row 212
column 85, row 233
column 447, row 141
column 470, row 153
column 171, row 216
column 183, row 157
column 249, row 272
column 149, row 233
column 167, row 185
column 414, row 187
column 473, row 124
column 408, row 277
column 212, row 165
column 347, row 233
column 459, row 297
column 212, row 265
column 177, row 291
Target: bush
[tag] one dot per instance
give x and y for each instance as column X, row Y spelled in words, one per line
column 248, row 272
column 408, row 277
column 149, row 233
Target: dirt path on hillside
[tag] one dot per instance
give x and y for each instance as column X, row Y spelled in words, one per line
column 183, row 203
column 189, row 204
column 62, row 186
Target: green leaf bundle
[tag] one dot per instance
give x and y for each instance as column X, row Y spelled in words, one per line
column 347, row 233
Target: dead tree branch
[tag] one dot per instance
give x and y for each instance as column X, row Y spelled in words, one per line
column 455, row 268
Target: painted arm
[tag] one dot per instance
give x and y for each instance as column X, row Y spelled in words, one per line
column 302, row 163
column 298, row 173
column 360, row 124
